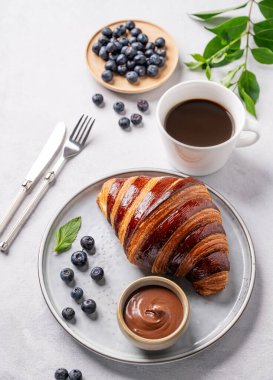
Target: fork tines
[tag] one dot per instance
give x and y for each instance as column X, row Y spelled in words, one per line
column 82, row 130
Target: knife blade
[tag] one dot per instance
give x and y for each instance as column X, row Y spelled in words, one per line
column 46, row 155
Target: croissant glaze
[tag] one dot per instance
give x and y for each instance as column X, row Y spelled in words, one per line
column 169, row 225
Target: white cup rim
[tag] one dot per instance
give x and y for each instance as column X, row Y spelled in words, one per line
column 213, row 84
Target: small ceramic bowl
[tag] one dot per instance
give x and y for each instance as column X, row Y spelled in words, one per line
column 153, row 344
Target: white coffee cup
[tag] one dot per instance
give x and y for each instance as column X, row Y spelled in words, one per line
column 195, row 160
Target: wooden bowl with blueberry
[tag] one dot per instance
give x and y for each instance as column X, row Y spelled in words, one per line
column 131, row 57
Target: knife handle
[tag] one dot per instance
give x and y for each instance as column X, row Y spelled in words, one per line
column 17, row 201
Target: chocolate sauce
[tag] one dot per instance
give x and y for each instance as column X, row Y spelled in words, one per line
column 153, row 312
column 199, row 122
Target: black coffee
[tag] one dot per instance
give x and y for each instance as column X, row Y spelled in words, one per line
column 199, row 122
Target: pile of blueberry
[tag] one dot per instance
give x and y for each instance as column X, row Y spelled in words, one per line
column 62, row 374
column 119, row 107
column 79, row 259
column 128, row 52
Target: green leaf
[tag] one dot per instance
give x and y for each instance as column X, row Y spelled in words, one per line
column 216, row 44
column 206, row 15
column 66, row 235
column 226, row 81
column 264, row 39
column 208, row 72
column 237, row 54
column 266, row 7
column 219, row 58
column 263, row 25
column 250, row 106
column 193, row 65
column 198, row 57
column 231, row 29
column 248, row 82
column 263, row 55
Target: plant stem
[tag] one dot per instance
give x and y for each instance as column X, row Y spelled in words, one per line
column 248, row 31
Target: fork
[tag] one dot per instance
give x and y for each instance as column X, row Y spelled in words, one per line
column 73, row 146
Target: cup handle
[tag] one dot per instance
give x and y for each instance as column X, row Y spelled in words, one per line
column 249, row 135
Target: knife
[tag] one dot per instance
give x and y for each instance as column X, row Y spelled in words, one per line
column 46, row 155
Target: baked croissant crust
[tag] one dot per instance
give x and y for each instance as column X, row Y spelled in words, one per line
column 169, row 225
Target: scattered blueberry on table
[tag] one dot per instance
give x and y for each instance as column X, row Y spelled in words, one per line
column 75, row 374
column 143, row 105
column 136, row 119
column 61, row 374
column 67, row 275
column 128, row 52
column 97, row 99
column 77, row 293
column 68, row 313
column 97, row 273
column 124, row 122
column 118, row 107
column 79, row 258
column 89, row 306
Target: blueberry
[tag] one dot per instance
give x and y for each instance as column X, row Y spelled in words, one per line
column 140, row 59
column 132, row 76
column 107, row 32
column 77, row 294
column 140, row 52
column 149, row 53
column 152, row 71
column 130, row 25
column 107, row 75
column 61, row 374
column 117, row 45
column 119, row 107
column 130, row 52
column 75, row 374
column 96, row 47
column 132, row 40
column 67, row 275
column 87, row 243
column 97, row 273
column 136, row 118
column 155, row 59
column 117, row 32
column 122, row 29
column 121, row 59
column 113, row 56
column 68, row 313
column 103, row 40
column 79, row 258
column 137, row 45
column 111, row 65
column 97, row 99
column 160, row 42
column 123, row 49
column 130, row 65
column 143, row 38
column 124, row 122
column 140, row 70
column 89, row 306
column 122, row 69
column 142, row 105
column 162, row 62
column 135, row 32
column 111, row 47
column 161, row 52
column 150, row 45
column 103, row 53
column 123, row 41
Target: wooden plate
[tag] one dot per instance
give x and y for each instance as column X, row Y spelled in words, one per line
column 120, row 84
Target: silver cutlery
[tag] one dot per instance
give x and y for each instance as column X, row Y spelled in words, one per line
column 73, row 146
column 46, row 155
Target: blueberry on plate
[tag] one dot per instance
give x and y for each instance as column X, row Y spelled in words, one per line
column 97, row 273
column 117, row 45
column 140, row 70
column 160, row 42
column 87, row 243
column 103, row 53
column 68, row 313
column 67, row 275
column 152, row 71
column 140, row 59
column 97, row 99
column 61, row 374
column 116, row 32
column 107, row 32
column 122, row 29
column 162, row 62
column 124, row 122
column 150, row 45
column 118, row 107
column 111, row 47
column 142, row 105
column 135, row 32
column 75, row 374
column 121, row 59
column 79, row 258
column 155, row 59
column 132, row 76
column 107, row 75
column 136, row 118
column 137, row 45
column 132, row 39
column 149, row 53
column 123, row 49
column 113, row 56
column 130, row 25
column 122, row 69
column 130, row 52
column 123, row 41
column 77, row 294
column 130, row 65
column 96, row 47
column 161, row 52
column 143, row 38
column 89, row 306
column 103, row 40
column 111, row 65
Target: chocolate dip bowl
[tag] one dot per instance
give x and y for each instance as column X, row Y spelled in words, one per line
column 148, row 343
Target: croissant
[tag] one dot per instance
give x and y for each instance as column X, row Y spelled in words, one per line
column 169, row 225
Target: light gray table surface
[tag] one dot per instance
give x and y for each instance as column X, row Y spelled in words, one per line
column 44, row 79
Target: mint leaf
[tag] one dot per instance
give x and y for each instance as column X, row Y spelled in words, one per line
column 231, row 29
column 249, row 84
column 66, row 235
column 266, row 7
column 263, row 25
column 250, row 106
column 206, row 15
column 264, row 38
column 263, row 55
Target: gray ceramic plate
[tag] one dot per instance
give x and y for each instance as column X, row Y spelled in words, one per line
column 211, row 317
